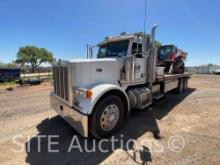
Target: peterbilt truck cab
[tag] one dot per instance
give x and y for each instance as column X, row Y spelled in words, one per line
column 96, row 95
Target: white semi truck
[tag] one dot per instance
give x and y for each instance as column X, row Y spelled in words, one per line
column 97, row 95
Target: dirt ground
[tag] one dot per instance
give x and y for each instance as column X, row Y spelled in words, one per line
column 189, row 126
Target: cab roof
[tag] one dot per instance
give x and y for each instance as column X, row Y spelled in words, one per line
column 130, row 37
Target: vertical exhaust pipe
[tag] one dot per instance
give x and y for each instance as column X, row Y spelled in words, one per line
column 151, row 64
column 153, row 34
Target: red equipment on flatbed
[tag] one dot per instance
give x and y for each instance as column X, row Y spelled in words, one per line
column 172, row 58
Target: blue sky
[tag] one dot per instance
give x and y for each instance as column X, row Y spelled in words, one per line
column 64, row 27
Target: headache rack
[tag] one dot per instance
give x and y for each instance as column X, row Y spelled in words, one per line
column 61, row 82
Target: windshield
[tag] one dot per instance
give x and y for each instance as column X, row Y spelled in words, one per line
column 113, row 49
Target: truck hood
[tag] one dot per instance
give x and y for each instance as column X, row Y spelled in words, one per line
column 85, row 72
column 93, row 60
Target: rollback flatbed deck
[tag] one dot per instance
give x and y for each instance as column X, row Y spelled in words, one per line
column 168, row 82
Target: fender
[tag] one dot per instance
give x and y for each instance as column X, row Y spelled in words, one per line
column 87, row 105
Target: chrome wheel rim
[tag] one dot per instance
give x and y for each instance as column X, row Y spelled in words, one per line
column 109, row 117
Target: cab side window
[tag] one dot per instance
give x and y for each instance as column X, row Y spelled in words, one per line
column 137, row 49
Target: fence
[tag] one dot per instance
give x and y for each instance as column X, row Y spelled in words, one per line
column 203, row 69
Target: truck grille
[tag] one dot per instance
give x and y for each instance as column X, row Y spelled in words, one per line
column 61, row 85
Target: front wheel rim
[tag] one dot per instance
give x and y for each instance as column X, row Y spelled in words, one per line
column 110, row 117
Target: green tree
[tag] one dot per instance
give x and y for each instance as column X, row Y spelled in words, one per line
column 33, row 56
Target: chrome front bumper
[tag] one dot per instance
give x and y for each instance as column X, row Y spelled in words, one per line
column 76, row 119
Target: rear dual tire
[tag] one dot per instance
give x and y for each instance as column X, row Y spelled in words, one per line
column 182, row 85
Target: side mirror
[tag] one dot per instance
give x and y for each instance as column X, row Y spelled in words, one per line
column 90, row 52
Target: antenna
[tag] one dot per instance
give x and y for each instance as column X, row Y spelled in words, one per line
column 145, row 15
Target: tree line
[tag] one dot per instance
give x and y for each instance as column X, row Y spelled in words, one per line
column 30, row 58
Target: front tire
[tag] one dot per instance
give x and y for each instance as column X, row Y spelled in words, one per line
column 107, row 117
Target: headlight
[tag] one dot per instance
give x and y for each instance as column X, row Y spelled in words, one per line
column 86, row 93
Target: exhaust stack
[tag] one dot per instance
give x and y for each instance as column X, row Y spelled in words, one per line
column 151, row 63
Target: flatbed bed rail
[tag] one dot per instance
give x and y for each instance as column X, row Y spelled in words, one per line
column 170, row 77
